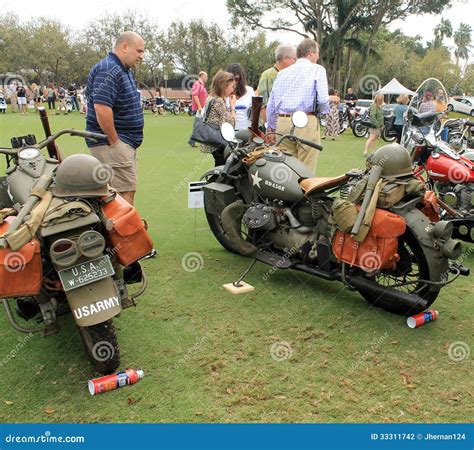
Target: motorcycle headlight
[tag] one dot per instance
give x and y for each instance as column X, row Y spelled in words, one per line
column 64, row 252
column 91, row 244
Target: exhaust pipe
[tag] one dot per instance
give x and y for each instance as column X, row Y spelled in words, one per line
column 392, row 295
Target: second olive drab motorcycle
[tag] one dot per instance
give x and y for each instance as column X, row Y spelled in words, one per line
column 369, row 229
column 68, row 245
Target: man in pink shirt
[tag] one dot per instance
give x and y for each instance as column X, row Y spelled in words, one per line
column 198, row 97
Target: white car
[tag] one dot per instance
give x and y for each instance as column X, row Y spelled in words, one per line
column 462, row 104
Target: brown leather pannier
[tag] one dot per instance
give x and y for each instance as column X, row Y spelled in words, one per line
column 378, row 250
column 128, row 236
column 21, row 272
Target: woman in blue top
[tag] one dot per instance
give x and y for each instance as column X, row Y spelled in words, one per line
column 399, row 111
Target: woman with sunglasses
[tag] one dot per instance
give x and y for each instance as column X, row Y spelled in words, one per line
column 243, row 94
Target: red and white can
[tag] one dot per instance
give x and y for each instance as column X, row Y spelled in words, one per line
column 114, row 381
column 420, row 319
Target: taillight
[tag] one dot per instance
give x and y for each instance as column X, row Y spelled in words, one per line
column 91, row 244
column 64, row 252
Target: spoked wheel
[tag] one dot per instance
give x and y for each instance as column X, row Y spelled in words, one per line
column 101, row 346
column 358, row 130
column 411, row 268
column 176, row 110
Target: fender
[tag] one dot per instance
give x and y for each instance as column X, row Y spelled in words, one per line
column 215, row 171
column 94, row 303
column 420, row 227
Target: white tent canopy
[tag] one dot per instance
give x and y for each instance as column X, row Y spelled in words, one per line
column 394, row 87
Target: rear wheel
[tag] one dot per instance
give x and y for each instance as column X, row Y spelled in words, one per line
column 412, row 267
column 358, row 130
column 101, row 346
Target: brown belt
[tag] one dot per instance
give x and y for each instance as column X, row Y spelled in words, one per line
column 289, row 115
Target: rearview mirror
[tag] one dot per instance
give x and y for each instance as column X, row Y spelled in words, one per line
column 299, row 119
column 227, row 132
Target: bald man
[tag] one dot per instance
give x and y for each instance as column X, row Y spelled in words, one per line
column 114, row 109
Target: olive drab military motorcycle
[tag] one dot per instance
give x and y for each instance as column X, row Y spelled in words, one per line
column 68, row 244
column 370, row 229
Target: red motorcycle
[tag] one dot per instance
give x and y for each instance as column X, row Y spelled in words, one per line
column 448, row 174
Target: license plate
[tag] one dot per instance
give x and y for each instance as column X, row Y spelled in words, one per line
column 86, row 273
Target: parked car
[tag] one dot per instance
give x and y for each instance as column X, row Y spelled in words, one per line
column 363, row 105
column 461, row 104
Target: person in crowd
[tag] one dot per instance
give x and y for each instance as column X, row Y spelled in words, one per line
column 72, row 94
column 350, row 98
column 114, row 109
column 81, row 100
column 3, row 102
column 376, row 119
column 285, row 56
column 11, row 93
column 300, row 87
column 51, row 97
column 428, row 104
column 62, row 97
column 37, row 95
column 198, row 98
column 442, row 107
column 22, row 98
column 216, row 110
column 399, row 112
column 243, row 95
column 332, row 127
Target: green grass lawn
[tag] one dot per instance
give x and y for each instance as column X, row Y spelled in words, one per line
column 297, row 349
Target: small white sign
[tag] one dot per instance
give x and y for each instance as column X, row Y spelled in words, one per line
column 196, row 194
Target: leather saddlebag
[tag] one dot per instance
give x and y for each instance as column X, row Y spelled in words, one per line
column 378, row 250
column 21, row 272
column 127, row 233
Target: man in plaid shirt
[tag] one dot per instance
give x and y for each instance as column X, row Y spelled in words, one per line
column 301, row 87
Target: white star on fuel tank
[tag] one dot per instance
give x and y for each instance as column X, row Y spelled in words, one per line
column 256, row 179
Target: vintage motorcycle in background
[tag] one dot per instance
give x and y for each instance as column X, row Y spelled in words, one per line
column 68, row 244
column 265, row 204
column 449, row 174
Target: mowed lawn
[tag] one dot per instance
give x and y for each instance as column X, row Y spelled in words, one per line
column 297, row 349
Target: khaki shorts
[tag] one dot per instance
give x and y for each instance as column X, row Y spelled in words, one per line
column 122, row 159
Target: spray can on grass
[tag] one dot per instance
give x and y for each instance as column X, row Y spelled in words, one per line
column 114, row 381
column 420, row 319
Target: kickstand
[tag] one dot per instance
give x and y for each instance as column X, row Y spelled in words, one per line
column 240, row 286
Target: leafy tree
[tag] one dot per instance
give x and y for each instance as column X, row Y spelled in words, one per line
column 442, row 30
column 462, row 39
column 336, row 25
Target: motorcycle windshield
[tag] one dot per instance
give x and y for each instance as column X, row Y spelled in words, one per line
column 423, row 114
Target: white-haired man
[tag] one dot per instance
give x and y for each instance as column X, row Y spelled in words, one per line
column 285, row 56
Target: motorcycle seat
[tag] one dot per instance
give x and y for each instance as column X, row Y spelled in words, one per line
column 311, row 185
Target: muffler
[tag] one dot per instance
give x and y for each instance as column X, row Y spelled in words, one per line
column 388, row 294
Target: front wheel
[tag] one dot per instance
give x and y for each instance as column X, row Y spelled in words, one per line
column 101, row 346
column 175, row 110
column 411, row 268
column 358, row 130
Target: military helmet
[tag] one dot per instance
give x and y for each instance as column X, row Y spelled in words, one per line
column 81, row 176
column 394, row 160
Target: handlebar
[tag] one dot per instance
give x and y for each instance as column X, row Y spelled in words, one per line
column 292, row 137
column 72, row 132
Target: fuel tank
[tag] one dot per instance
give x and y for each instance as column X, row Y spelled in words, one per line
column 275, row 176
column 443, row 168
